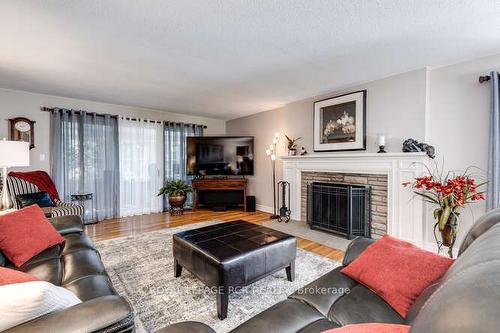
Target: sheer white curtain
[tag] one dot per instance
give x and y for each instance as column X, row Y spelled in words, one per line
column 141, row 166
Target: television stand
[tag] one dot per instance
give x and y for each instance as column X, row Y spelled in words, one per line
column 215, row 192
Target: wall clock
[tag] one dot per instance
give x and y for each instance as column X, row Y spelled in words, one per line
column 22, row 129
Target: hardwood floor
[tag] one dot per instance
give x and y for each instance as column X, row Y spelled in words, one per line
column 139, row 224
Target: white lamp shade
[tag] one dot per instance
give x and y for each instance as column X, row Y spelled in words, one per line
column 14, row 153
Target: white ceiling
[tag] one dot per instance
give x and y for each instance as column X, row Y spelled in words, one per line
column 230, row 58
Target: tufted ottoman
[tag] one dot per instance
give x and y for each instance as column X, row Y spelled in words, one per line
column 233, row 254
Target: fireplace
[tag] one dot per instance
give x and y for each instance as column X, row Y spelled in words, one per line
column 342, row 209
column 378, row 184
column 393, row 210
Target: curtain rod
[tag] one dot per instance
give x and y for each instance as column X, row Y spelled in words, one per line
column 46, row 109
column 484, row 78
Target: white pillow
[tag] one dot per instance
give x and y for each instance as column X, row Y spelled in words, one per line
column 21, row 302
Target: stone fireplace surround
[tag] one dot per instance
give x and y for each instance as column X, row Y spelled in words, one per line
column 404, row 217
column 377, row 182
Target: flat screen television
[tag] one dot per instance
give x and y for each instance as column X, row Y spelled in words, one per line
column 219, row 155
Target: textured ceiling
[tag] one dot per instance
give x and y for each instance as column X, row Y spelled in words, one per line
column 230, row 58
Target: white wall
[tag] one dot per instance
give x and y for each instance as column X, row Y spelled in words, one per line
column 24, row 104
column 445, row 106
column 458, row 125
column 395, row 106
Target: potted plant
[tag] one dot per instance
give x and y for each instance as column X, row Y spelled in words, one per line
column 292, row 145
column 450, row 194
column 176, row 190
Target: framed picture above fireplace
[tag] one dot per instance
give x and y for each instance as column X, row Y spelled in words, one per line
column 340, row 123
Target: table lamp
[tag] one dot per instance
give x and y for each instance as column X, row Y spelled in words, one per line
column 12, row 154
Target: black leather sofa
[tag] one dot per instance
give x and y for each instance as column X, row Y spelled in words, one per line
column 77, row 266
column 466, row 299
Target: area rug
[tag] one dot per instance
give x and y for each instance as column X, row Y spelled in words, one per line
column 141, row 268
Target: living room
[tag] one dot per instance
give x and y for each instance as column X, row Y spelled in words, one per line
column 249, row 166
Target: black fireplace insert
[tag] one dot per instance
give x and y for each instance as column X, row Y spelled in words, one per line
column 341, row 209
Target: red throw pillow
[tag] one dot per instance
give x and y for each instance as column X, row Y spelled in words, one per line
column 25, row 233
column 10, row 276
column 371, row 328
column 397, row 271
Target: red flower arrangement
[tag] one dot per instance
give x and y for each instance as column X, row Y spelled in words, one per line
column 450, row 194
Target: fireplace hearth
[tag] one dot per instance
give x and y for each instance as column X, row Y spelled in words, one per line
column 341, row 209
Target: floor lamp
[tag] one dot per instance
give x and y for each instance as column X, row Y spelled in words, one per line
column 271, row 152
column 12, row 154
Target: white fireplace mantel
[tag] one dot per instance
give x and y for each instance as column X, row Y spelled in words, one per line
column 405, row 215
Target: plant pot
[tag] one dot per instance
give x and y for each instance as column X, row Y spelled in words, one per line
column 292, row 152
column 176, row 203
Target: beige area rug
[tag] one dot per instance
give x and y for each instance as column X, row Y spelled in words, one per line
column 141, row 268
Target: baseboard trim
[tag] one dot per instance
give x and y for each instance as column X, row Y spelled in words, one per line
column 265, row 209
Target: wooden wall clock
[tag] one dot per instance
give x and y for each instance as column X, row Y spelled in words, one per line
column 22, row 129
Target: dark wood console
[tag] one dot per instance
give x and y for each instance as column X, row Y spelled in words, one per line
column 220, row 192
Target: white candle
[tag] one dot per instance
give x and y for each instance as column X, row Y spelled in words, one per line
column 381, row 140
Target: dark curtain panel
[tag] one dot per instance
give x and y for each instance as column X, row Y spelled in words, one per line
column 175, row 152
column 493, row 195
column 84, row 159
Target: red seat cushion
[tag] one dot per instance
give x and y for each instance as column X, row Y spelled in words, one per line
column 371, row 328
column 25, row 233
column 397, row 271
column 10, row 276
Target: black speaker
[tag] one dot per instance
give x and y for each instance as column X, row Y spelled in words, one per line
column 250, row 203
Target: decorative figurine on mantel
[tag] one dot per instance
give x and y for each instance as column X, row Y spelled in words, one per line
column 412, row 146
column 303, row 151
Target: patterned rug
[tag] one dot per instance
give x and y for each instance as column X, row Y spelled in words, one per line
column 141, row 268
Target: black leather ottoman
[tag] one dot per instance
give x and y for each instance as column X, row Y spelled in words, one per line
column 233, row 254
